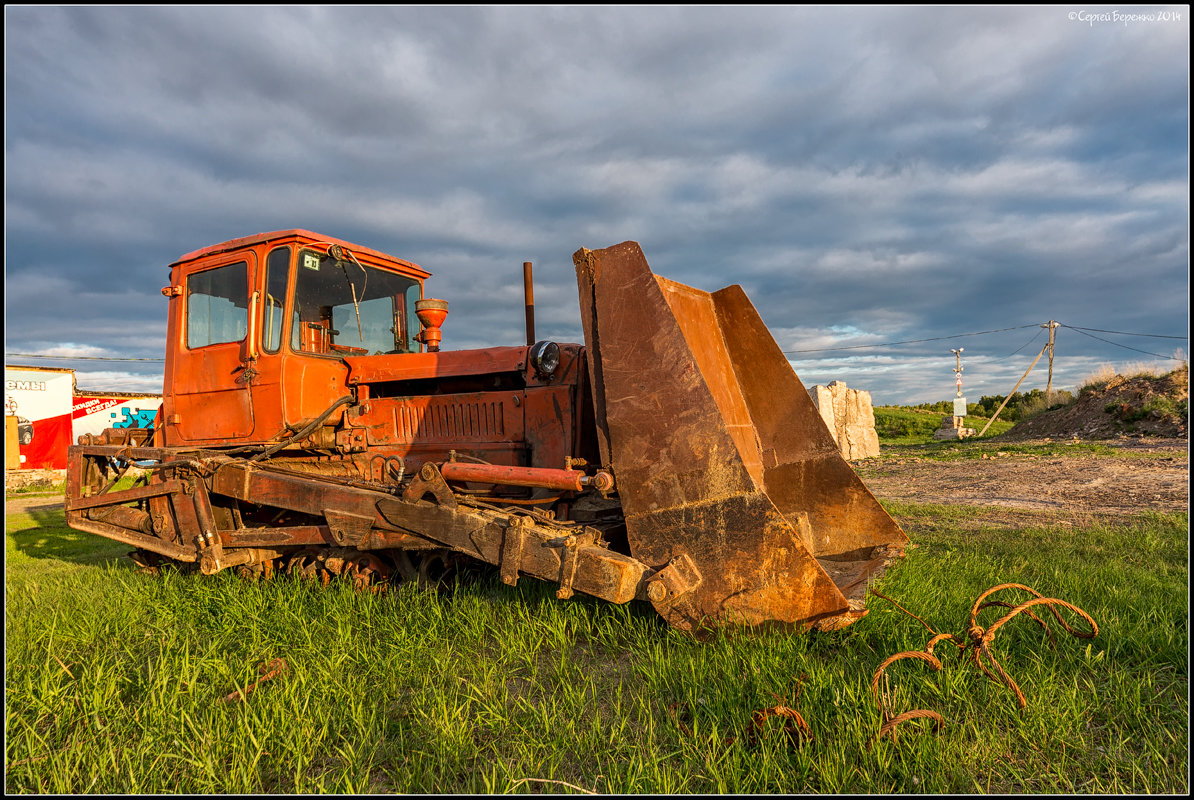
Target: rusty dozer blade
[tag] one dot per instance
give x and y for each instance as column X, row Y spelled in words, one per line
column 730, row 482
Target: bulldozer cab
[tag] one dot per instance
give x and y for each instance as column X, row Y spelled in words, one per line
column 258, row 328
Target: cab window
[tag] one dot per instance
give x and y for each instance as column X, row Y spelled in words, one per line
column 217, row 305
column 342, row 307
column 277, row 277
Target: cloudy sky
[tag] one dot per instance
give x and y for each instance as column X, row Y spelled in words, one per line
column 869, row 175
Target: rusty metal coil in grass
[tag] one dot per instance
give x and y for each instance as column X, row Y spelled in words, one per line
column 978, row 645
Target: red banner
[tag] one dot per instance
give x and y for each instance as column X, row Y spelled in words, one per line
column 47, row 450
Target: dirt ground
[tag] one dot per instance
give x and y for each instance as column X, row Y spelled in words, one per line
column 1145, row 475
column 32, row 504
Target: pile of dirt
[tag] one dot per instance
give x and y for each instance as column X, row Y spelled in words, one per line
column 1140, row 405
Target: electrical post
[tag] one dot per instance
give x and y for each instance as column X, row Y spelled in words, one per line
column 958, row 399
column 1051, row 325
column 953, row 427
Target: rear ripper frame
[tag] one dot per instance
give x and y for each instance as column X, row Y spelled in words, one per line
column 193, row 510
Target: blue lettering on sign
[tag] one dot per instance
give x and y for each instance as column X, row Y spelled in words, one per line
column 135, row 418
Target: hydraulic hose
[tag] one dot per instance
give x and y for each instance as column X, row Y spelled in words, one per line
column 307, row 429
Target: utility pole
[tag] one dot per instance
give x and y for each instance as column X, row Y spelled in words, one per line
column 958, row 382
column 958, row 368
column 1051, row 325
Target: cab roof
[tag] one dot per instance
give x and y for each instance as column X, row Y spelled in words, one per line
column 302, row 237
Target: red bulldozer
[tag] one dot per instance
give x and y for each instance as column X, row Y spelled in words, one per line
column 311, row 424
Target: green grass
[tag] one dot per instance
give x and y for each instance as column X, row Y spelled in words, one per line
column 45, row 488
column 951, row 450
column 899, row 425
column 974, row 448
column 115, row 681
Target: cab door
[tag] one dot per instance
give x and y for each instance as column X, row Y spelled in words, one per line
column 214, row 354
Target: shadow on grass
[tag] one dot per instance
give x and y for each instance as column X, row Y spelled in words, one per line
column 40, row 531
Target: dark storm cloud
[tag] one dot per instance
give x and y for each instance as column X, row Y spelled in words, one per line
column 868, row 174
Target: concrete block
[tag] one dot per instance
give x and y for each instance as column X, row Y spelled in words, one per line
column 850, row 418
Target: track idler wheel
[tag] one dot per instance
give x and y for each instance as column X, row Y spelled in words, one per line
column 151, row 563
column 436, row 569
column 256, row 572
column 148, row 562
column 365, row 570
column 304, row 565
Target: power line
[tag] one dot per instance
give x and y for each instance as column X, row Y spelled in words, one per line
column 1124, row 333
column 997, row 330
column 1124, row 346
column 1036, row 336
column 786, row 352
column 909, row 341
column 79, row 358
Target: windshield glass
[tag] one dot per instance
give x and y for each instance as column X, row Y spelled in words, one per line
column 344, row 308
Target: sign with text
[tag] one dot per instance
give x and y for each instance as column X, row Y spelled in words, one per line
column 96, row 413
column 41, row 401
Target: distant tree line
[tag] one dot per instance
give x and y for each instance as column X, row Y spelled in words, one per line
column 1022, row 405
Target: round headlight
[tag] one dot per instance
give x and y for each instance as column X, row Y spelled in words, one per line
column 545, row 357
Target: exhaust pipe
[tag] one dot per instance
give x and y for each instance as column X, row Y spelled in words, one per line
column 528, row 291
